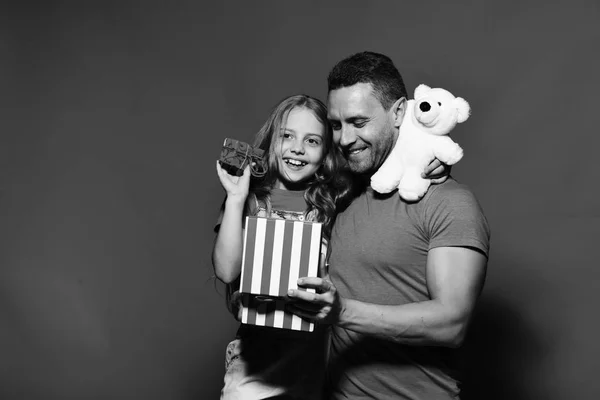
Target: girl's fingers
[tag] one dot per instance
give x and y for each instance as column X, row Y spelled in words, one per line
column 246, row 172
column 220, row 169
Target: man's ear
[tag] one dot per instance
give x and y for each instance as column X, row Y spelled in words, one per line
column 399, row 109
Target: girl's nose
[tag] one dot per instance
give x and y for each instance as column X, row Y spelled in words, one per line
column 298, row 147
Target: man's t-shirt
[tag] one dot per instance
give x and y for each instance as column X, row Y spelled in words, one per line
column 379, row 248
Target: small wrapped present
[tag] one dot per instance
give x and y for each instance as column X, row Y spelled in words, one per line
column 235, row 155
column 276, row 253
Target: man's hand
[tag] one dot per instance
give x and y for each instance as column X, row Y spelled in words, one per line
column 436, row 171
column 325, row 306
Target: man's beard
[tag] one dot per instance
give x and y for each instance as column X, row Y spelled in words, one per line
column 370, row 164
column 361, row 167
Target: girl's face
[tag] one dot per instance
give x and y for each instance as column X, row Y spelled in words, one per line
column 301, row 149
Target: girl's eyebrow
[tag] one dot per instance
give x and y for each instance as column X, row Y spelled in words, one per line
column 307, row 134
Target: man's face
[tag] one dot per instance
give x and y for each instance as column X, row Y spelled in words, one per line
column 363, row 129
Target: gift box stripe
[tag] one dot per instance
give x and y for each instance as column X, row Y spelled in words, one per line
column 295, row 258
column 306, row 325
column 259, row 251
column 305, row 252
column 277, row 255
column 286, row 255
column 248, row 253
column 245, row 312
column 268, row 256
column 261, row 314
column 278, row 316
column 270, row 319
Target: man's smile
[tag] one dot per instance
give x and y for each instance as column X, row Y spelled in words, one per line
column 355, row 151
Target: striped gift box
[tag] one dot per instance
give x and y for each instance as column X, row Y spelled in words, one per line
column 276, row 253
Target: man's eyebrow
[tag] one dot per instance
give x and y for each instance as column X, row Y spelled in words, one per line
column 349, row 120
column 356, row 118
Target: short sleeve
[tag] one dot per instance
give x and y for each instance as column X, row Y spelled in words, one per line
column 250, row 208
column 454, row 218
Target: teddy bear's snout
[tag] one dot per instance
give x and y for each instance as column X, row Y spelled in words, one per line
column 425, row 106
column 427, row 112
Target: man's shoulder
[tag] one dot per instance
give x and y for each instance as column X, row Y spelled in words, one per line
column 454, row 202
column 449, row 191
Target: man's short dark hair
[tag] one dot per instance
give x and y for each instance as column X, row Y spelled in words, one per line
column 368, row 67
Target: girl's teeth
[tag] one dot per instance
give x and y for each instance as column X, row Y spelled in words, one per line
column 294, row 162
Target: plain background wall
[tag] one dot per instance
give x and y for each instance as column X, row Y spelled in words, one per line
column 112, row 115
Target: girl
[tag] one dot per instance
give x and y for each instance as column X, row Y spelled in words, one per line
column 303, row 181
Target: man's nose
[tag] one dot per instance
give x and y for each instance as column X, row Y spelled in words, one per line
column 347, row 137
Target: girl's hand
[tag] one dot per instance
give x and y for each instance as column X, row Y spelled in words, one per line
column 236, row 187
column 236, row 305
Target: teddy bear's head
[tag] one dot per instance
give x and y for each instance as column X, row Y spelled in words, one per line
column 437, row 110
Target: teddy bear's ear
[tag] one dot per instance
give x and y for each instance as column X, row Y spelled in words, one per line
column 421, row 90
column 463, row 108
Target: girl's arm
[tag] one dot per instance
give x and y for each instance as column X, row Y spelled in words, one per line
column 227, row 250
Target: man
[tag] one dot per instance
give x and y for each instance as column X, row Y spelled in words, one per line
column 404, row 277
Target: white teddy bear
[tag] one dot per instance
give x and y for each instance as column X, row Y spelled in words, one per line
column 422, row 137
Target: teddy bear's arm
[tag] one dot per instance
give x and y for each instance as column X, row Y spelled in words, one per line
column 446, row 150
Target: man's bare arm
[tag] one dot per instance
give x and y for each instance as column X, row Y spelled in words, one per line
column 455, row 277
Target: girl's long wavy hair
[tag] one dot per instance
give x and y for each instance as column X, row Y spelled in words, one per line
column 327, row 193
column 330, row 187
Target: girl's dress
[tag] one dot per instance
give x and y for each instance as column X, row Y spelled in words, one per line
column 263, row 362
